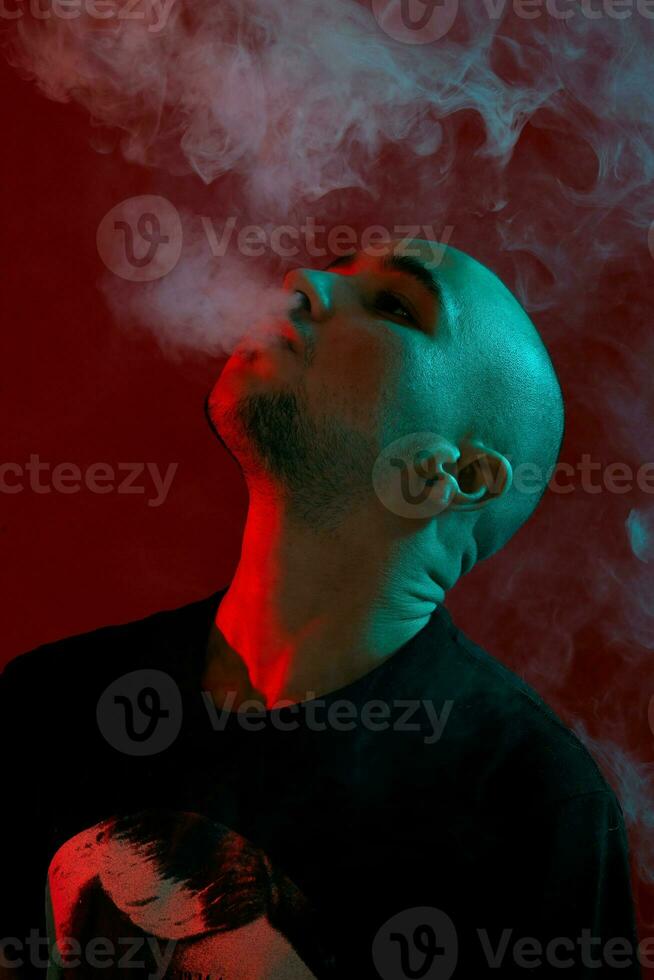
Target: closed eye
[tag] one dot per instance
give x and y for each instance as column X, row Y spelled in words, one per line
column 389, row 303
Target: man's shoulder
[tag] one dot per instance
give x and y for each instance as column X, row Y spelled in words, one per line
column 147, row 641
column 519, row 740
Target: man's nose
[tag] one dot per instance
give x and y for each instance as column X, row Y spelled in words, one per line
column 317, row 286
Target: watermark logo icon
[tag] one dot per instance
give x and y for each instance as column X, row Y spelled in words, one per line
column 141, row 238
column 415, row 21
column 416, row 944
column 140, row 713
column 410, row 478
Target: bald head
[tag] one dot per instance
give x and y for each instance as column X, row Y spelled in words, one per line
column 508, row 392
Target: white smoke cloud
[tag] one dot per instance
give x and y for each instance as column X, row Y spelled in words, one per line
column 533, row 137
column 309, row 108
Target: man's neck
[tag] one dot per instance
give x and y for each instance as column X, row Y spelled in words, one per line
column 310, row 611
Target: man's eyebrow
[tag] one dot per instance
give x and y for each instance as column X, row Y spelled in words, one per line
column 401, row 263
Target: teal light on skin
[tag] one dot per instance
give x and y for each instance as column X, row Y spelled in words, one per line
column 330, row 582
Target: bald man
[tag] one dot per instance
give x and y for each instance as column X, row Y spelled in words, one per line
column 436, row 815
column 382, row 351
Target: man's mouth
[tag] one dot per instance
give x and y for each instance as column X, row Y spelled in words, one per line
column 288, row 335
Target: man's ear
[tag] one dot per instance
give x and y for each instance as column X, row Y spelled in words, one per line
column 422, row 474
column 479, row 475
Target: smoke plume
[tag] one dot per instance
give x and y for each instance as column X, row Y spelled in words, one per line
column 532, row 139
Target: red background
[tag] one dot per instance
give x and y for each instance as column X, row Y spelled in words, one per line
column 78, row 387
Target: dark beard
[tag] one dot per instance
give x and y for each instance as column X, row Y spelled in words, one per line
column 322, row 467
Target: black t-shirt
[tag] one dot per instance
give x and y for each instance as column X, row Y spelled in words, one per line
column 432, row 819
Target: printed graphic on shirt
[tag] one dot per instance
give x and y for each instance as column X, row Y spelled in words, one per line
column 167, row 895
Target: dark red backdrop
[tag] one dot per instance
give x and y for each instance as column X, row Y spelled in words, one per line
column 78, row 388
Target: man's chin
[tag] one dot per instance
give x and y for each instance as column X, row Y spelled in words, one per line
column 319, row 465
column 260, row 427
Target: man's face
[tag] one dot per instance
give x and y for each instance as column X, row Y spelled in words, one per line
column 362, row 360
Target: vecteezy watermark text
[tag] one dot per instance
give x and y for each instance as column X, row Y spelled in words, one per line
column 426, row 21
column 41, row 477
column 152, row 14
column 316, row 240
column 410, row 478
column 140, row 713
column 99, row 953
column 423, row 941
column 339, row 715
column 141, row 238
